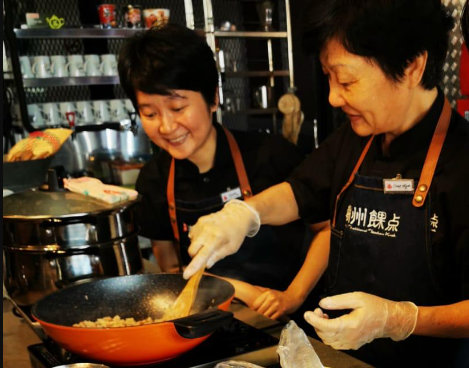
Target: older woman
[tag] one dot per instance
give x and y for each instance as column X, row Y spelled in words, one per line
column 392, row 183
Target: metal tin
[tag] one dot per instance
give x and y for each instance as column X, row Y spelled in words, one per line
column 107, row 15
column 133, row 16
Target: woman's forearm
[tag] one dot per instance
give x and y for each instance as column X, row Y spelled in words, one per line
column 314, row 264
column 275, row 205
column 444, row 321
column 165, row 255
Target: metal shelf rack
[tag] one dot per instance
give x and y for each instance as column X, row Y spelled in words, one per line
column 239, row 78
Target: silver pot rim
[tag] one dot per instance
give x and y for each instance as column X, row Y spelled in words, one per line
column 43, row 205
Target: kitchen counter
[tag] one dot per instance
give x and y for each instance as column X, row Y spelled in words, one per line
column 17, row 335
column 329, row 357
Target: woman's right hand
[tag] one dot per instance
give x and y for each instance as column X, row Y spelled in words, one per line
column 219, row 234
column 275, row 304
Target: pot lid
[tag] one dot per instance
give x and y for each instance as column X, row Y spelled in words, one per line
column 42, row 204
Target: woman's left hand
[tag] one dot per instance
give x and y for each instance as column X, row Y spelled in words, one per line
column 275, row 304
column 372, row 317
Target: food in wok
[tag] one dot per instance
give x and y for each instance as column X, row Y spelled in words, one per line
column 116, row 321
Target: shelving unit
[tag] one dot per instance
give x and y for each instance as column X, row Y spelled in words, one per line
column 273, row 67
column 80, row 35
column 70, row 81
column 96, row 141
column 243, row 71
column 259, row 34
column 38, row 33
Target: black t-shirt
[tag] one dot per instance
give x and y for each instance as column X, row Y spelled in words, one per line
column 268, row 261
column 316, row 190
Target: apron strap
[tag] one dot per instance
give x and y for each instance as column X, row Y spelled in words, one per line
column 242, row 178
column 432, row 156
column 172, row 210
column 429, row 165
column 352, row 176
column 239, row 165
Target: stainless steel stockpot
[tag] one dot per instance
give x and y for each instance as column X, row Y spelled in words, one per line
column 54, row 239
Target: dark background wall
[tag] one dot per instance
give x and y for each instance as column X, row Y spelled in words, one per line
column 312, row 85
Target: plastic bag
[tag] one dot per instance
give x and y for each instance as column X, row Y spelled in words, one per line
column 236, row 364
column 295, row 350
column 39, row 145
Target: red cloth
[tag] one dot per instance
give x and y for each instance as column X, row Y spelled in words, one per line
column 463, row 107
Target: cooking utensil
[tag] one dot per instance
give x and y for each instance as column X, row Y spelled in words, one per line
column 54, row 239
column 14, row 177
column 137, row 296
column 185, row 300
column 290, row 106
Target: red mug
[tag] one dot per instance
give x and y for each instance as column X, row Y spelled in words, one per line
column 70, row 115
column 107, row 15
column 156, row 18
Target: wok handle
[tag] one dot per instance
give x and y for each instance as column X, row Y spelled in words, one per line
column 201, row 324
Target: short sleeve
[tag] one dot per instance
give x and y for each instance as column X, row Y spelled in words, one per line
column 317, row 180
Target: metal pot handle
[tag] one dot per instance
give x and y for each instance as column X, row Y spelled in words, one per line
column 201, row 324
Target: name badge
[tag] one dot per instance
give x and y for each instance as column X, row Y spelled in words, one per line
column 231, row 194
column 398, row 186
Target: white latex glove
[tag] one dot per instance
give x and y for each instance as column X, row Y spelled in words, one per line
column 372, row 317
column 220, row 234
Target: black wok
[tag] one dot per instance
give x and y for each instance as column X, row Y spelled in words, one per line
column 137, row 296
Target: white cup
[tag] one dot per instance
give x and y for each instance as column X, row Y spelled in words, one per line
column 59, row 66
column 156, row 18
column 25, row 64
column 41, row 67
column 101, row 111
column 76, row 65
column 118, row 110
column 129, row 106
column 263, row 97
column 84, row 112
column 35, row 116
column 92, row 65
column 109, row 64
column 66, row 107
column 51, row 114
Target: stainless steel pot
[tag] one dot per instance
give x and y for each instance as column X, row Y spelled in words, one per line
column 76, row 153
column 54, row 239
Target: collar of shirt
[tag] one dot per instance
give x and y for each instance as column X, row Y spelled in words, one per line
column 187, row 169
column 420, row 135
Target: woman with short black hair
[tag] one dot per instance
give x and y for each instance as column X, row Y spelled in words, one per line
column 171, row 77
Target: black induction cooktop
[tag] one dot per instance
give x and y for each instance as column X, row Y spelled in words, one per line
column 229, row 341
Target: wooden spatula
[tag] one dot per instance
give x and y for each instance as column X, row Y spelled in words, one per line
column 183, row 304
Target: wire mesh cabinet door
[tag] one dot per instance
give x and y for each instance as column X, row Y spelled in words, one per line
column 64, row 29
column 252, row 44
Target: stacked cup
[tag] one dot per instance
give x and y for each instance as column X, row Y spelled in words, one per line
column 76, row 65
